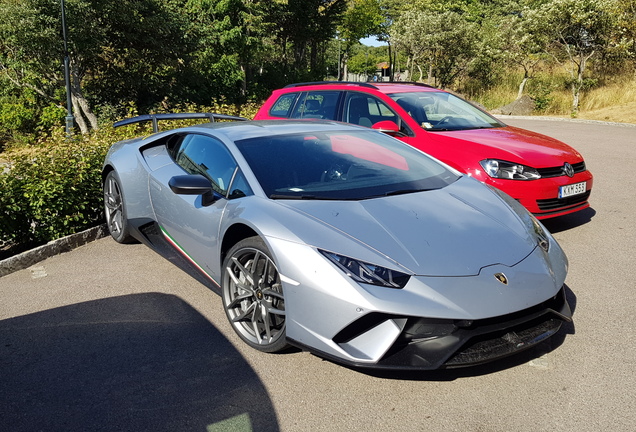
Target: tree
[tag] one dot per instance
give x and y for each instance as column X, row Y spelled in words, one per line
column 624, row 37
column 444, row 41
column 304, row 29
column 579, row 29
column 361, row 19
column 523, row 44
column 390, row 11
column 30, row 39
column 364, row 59
column 229, row 38
column 628, row 18
column 119, row 50
column 129, row 51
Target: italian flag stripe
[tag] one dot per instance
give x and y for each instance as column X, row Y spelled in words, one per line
column 185, row 254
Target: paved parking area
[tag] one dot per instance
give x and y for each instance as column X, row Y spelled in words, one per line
column 112, row 337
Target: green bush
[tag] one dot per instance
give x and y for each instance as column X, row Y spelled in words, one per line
column 53, row 189
column 15, row 116
column 541, row 93
column 51, row 116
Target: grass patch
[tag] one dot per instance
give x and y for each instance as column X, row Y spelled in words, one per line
column 611, row 100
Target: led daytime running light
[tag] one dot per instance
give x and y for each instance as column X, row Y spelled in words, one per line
column 364, row 272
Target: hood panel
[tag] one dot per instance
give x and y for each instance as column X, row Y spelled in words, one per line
column 434, row 233
column 511, row 144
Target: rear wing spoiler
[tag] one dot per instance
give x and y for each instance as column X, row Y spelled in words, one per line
column 154, row 118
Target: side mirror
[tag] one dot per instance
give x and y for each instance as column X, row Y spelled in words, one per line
column 194, row 184
column 388, row 127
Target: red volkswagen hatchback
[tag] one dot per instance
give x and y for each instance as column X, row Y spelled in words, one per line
column 545, row 175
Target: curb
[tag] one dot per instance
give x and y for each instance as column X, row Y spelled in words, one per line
column 563, row 119
column 54, row 247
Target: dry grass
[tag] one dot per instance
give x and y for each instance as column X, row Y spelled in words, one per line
column 624, row 113
column 614, row 101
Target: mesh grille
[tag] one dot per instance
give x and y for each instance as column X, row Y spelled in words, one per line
column 557, row 203
column 507, row 343
column 558, row 171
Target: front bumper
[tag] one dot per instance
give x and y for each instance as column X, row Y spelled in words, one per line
column 425, row 344
column 540, row 197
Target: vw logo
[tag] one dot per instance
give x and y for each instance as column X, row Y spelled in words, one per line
column 568, row 170
column 501, row 278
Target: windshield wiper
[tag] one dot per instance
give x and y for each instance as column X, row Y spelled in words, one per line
column 314, row 197
column 294, row 197
column 403, row 191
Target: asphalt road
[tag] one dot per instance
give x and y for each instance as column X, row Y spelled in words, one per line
column 114, row 338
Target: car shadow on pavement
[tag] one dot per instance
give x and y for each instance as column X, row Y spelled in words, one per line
column 143, row 362
column 535, row 356
column 573, row 220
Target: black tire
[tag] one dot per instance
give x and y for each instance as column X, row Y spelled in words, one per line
column 253, row 296
column 115, row 210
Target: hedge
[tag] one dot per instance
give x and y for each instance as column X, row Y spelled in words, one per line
column 54, row 189
column 51, row 190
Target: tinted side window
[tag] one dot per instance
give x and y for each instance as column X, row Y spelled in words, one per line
column 239, row 187
column 317, row 104
column 365, row 110
column 200, row 154
column 283, row 105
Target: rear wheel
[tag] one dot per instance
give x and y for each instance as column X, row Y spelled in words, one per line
column 253, row 296
column 115, row 211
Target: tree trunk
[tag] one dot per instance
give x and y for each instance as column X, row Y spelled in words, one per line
column 78, row 115
column 345, row 63
column 86, row 111
column 80, row 105
column 313, row 56
column 391, row 63
column 522, row 87
column 576, row 89
column 244, row 69
column 578, row 84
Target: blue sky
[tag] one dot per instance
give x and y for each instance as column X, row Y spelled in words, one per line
column 372, row 41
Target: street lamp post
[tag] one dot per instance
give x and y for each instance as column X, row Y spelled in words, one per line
column 67, row 76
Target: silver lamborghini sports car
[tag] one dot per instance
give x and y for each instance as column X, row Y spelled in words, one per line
column 342, row 241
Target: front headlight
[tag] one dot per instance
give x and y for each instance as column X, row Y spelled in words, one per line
column 364, row 272
column 507, row 170
column 542, row 236
column 531, row 222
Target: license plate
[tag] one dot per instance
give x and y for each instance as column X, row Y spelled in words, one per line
column 573, row 189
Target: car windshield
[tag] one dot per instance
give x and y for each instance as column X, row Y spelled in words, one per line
column 441, row 111
column 340, row 165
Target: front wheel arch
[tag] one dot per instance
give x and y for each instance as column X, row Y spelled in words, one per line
column 232, row 236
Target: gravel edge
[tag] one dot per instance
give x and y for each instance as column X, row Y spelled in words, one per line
column 562, row 119
column 54, row 247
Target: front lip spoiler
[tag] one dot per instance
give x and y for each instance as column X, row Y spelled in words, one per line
column 470, row 344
